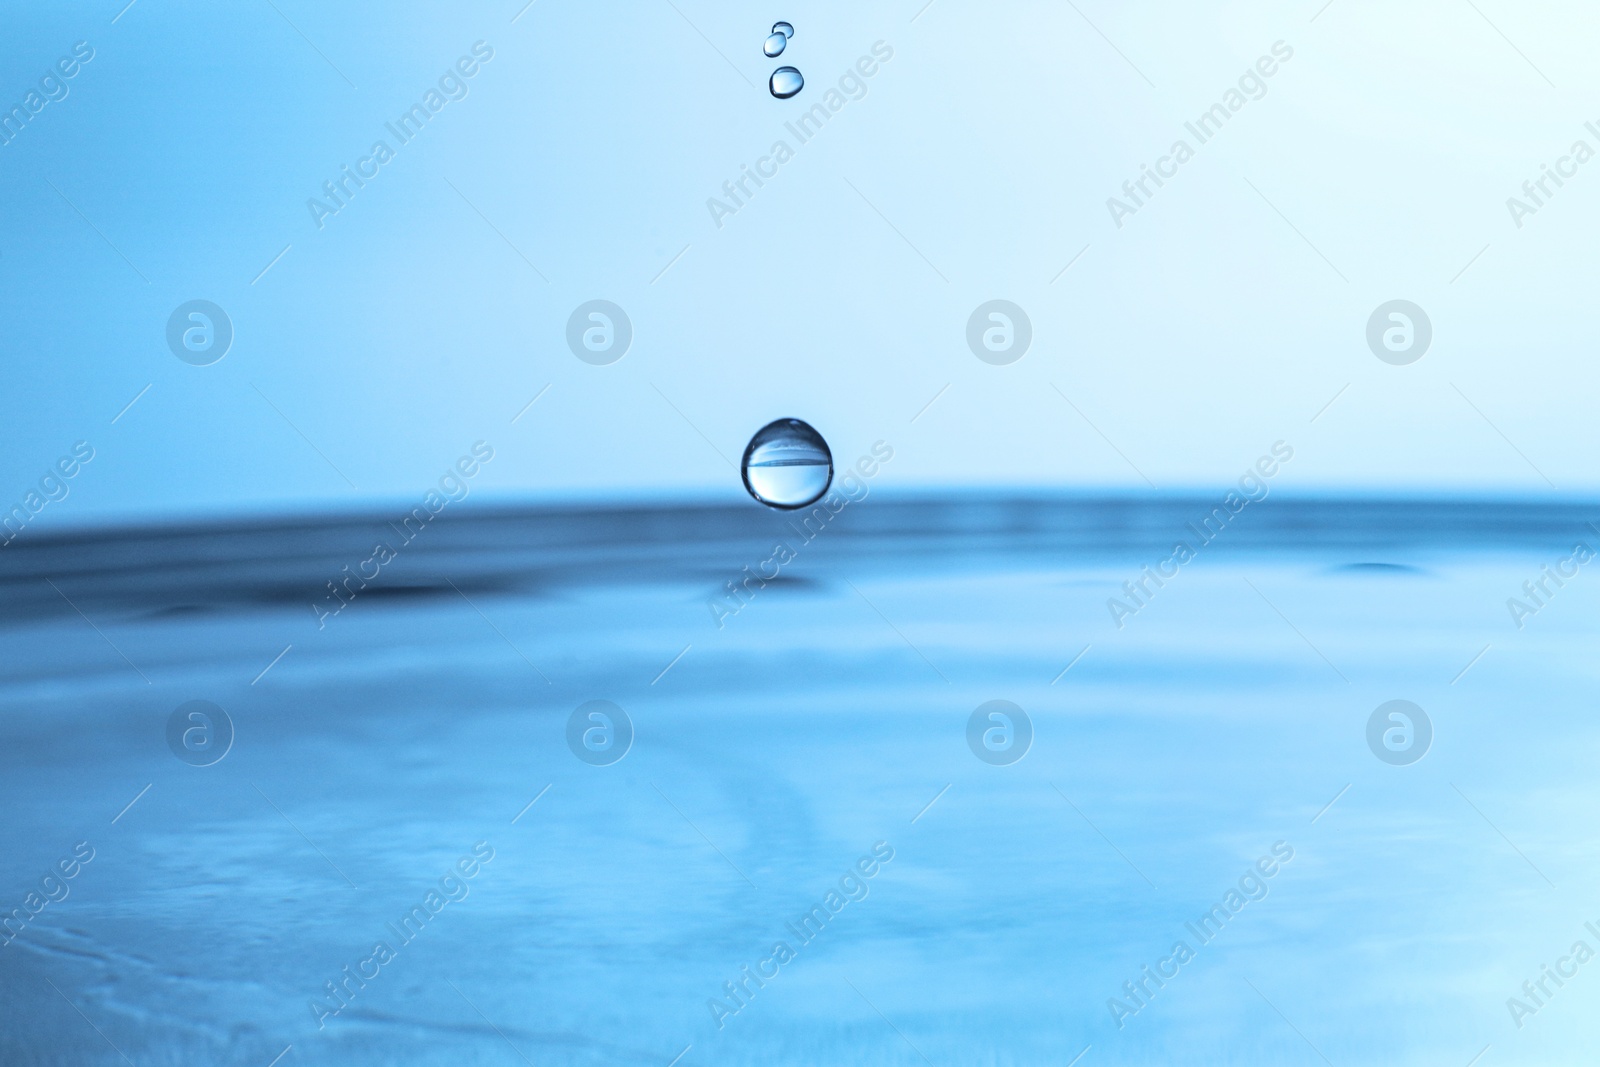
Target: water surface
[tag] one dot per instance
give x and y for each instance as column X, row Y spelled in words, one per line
column 377, row 745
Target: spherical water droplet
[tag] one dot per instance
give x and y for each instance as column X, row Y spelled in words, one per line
column 787, row 465
column 785, row 82
column 783, row 28
column 775, row 45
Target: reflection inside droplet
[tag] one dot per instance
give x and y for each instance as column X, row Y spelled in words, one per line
column 785, row 82
column 783, row 28
column 787, row 465
column 775, row 45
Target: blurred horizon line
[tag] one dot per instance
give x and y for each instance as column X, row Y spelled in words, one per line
column 501, row 505
column 325, row 560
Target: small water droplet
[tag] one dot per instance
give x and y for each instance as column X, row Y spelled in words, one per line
column 787, row 465
column 783, row 28
column 785, row 82
column 775, row 45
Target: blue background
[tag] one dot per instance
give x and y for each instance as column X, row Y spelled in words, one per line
column 774, row 744
column 977, row 166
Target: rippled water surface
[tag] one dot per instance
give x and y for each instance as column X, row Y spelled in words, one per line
column 377, row 747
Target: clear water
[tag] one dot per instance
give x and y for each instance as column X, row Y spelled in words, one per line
column 785, row 82
column 783, row 28
column 769, row 757
column 787, row 464
column 775, row 44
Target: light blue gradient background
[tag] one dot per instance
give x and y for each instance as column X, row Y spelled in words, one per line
column 830, row 712
column 406, row 329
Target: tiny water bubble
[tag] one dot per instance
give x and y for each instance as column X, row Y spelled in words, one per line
column 787, row 465
column 785, row 82
column 775, row 45
column 783, row 28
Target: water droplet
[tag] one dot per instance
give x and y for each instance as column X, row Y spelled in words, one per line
column 783, row 28
column 775, row 45
column 787, row 465
column 785, row 82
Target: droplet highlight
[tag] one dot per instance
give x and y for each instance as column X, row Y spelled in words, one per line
column 775, row 45
column 785, row 82
column 787, row 465
column 783, row 28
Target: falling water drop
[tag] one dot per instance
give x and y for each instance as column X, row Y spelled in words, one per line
column 775, row 45
column 787, row 465
column 783, row 28
column 785, row 82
